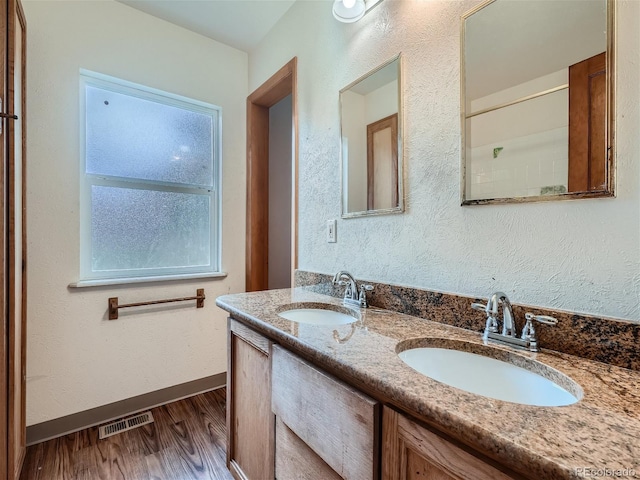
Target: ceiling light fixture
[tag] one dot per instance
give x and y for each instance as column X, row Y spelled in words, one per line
column 349, row 11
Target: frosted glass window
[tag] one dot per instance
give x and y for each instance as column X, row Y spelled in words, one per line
column 150, row 182
column 146, row 229
column 139, row 138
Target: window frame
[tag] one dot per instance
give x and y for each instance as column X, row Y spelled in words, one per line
column 89, row 277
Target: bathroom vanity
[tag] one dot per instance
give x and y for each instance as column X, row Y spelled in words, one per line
column 312, row 401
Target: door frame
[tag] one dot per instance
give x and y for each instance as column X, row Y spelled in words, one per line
column 13, row 346
column 280, row 85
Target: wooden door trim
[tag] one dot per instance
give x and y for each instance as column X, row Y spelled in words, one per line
column 390, row 122
column 4, row 343
column 280, row 85
column 23, row 21
column 14, row 465
column 581, row 78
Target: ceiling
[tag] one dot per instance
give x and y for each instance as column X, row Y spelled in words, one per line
column 510, row 42
column 241, row 24
column 374, row 81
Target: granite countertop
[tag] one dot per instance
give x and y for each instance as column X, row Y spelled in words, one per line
column 601, row 431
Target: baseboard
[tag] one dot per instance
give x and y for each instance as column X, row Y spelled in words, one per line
column 58, row 427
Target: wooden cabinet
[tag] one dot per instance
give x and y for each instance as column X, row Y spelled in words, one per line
column 250, row 423
column 291, row 420
column 411, row 452
column 325, row 428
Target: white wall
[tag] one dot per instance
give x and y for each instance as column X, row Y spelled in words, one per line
column 381, row 103
column 534, row 136
column 575, row 255
column 76, row 358
column 354, row 139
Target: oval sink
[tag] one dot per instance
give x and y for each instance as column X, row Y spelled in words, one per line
column 491, row 377
column 317, row 314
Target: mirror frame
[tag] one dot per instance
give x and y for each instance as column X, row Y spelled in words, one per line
column 610, row 136
column 400, row 207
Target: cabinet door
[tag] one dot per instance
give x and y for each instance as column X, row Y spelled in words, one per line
column 250, row 423
column 331, row 419
column 411, row 452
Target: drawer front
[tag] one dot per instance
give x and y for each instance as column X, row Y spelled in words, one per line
column 296, row 461
column 340, row 424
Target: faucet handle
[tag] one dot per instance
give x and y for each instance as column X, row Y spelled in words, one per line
column 529, row 332
column 492, row 323
column 546, row 319
column 363, row 294
column 479, row 306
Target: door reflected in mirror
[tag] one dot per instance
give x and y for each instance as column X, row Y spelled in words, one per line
column 371, row 132
column 537, row 88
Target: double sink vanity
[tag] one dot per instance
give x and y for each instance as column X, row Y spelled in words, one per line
column 397, row 383
column 321, row 389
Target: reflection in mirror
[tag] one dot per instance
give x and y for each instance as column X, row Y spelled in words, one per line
column 537, row 101
column 370, row 122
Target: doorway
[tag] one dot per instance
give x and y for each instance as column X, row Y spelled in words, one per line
column 272, row 188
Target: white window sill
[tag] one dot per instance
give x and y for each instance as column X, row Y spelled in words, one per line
column 127, row 281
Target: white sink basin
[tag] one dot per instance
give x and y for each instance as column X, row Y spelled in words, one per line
column 489, row 377
column 317, row 316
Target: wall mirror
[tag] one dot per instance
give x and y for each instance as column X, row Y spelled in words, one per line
column 371, row 142
column 537, row 101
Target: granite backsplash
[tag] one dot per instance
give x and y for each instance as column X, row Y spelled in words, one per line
column 605, row 340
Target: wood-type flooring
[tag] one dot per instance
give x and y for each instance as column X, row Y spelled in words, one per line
column 187, row 441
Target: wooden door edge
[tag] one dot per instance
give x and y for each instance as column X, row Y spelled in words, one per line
column 277, row 87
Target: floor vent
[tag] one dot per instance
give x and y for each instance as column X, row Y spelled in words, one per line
column 127, row 424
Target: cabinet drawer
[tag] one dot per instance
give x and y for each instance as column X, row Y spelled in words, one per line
column 296, row 461
column 339, row 423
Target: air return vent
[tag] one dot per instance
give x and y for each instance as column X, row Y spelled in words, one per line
column 127, row 424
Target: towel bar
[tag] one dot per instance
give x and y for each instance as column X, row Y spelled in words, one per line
column 113, row 303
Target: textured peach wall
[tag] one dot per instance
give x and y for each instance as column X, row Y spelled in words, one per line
column 77, row 359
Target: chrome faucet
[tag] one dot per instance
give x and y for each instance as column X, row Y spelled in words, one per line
column 509, row 333
column 508, row 327
column 352, row 296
